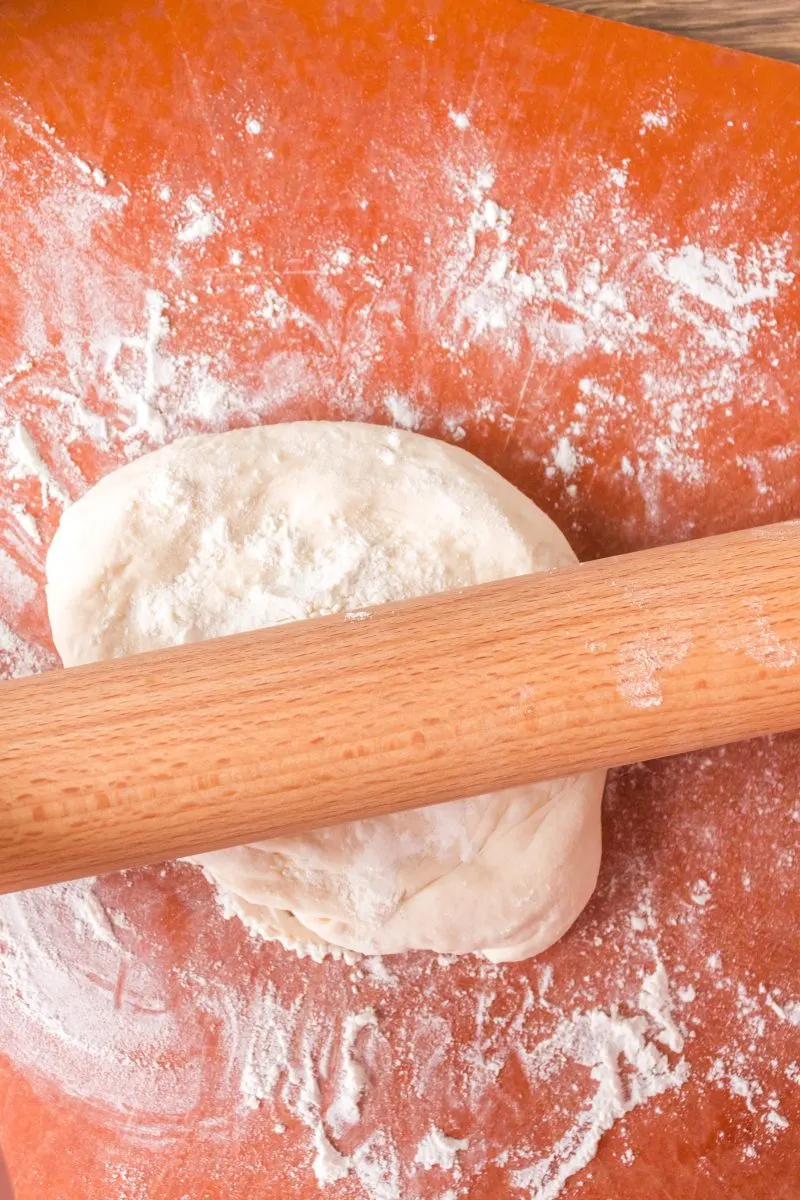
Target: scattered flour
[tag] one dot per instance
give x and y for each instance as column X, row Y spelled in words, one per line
column 19, row 657
column 590, row 282
column 281, row 1067
column 81, row 1003
column 641, row 661
column 564, row 457
column 701, row 893
column 114, row 360
column 16, row 588
column 721, row 295
column 26, row 522
column 655, row 120
column 655, row 1000
column 438, row 1150
column 86, row 1012
column 401, row 412
column 762, row 643
column 459, row 119
column 344, row 1111
column 25, row 460
column 156, row 369
column 609, row 1045
column 201, row 224
column 792, row 1012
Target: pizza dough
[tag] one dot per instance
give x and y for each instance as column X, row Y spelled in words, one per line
column 218, row 534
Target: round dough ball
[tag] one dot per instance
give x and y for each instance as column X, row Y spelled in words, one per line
column 222, row 533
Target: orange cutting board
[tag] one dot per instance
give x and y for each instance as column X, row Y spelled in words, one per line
column 572, row 248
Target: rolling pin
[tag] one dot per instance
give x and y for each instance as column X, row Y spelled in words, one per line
column 268, row 733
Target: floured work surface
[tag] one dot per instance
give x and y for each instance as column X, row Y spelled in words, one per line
column 571, row 248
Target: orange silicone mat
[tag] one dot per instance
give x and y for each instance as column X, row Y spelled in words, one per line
column 568, row 246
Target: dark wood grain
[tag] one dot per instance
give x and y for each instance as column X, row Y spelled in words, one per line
column 762, row 26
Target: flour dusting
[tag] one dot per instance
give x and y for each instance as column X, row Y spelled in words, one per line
column 438, row 1150
column 642, row 661
column 494, row 305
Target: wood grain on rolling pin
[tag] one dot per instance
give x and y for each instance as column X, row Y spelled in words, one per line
column 317, row 722
column 762, row 26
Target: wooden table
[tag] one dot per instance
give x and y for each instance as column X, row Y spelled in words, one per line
column 762, row 26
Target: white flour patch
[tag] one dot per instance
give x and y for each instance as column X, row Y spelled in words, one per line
column 655, row 1000
column 701, row 893
column 283, row 1067
column 90, row 915
column 654, row 119
column 25, row 461
column 564, row 457
column 19, row 658
column 26, row 522
column 16, row 588
column 62, row 1015
column 614, row 1049
column 438, row 1150
column 641, row 661
column 762, row 643
column 344, row 1112
column 459, row 119
column 401, row 412
column 201, row 223
column 791, row 1010
column 724, row 297
column 145, row 372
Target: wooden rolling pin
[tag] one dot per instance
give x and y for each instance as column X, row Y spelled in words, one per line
column 309, row 724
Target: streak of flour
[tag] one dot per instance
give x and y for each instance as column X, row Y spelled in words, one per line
column 628, row 1069
column 438, row 1150
column 596, row 281
column 62, row 1014
column 79, row 1005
